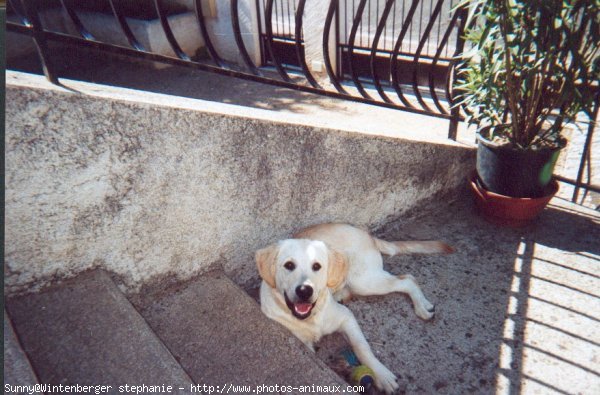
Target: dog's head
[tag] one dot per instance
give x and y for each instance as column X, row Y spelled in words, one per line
column 301, row 270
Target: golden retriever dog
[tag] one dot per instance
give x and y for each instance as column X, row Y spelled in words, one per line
column 305, row 277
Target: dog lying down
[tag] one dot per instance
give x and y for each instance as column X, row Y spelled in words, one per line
column 305, row 277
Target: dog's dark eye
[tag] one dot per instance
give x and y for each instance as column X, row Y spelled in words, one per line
column 289, row 266
column 316, row 266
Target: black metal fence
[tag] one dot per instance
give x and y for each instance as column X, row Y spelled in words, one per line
column 585, row 163
column 408, row 46
column 393, row 53
column 278, row 38
column 369, row 69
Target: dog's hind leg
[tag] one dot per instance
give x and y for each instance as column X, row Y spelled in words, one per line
column 381, row 283
column 392, row 248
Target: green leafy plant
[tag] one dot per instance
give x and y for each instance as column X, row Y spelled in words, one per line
column 532, row 66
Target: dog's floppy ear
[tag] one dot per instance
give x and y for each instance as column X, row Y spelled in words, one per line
column 338, row 269
column 265, row 262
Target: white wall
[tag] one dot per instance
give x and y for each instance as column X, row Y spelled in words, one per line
column 150, row 186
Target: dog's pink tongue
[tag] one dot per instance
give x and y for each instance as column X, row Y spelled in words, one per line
column 302, row 308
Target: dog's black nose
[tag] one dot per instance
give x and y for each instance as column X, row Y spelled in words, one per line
column 304, row 292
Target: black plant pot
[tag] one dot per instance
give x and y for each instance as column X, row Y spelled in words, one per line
column 515, row 172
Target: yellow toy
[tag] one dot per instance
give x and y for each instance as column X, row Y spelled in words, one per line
column 361, row 374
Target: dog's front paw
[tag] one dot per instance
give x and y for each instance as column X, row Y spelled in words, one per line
column 425, row 309
column 385, row 380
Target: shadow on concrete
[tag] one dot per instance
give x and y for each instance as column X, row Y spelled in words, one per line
column 109, row 69
column 551, row 312
column 97, row 67
column 514, row 307
column 510, row 306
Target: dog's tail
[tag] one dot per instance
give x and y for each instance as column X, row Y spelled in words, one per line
column 392, row 248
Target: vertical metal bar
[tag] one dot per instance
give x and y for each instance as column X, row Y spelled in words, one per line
column 289, row 15
column 258, row 16
column 345, row 21
column 420, row 21
column 460, row 45
column 394, row 21
column 393, row 63
column 269, row 29
column 333, row 6
column 410, row 34
column 376, row 15
column 429, row 36
column 368, row 23
column 338, row 51
column 31, row 13
column 300, row 52
column 351, row 18
column 361, row 28
column 380, row 27
column 357, row 21
column 261, row 16
column 422, row 43
column 586, row 147
column 125, row 28
column 276, row 8
column 235, row 22
column 439, row 26
column 449, row 10
column 454, row 119
column 281, row 17
column 385, row 29
column 206, row 37
column 83, row 32
column 164, row 22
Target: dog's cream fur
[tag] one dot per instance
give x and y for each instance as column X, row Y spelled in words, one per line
column 348, row 262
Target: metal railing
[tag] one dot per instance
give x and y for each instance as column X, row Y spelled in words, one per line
column 585, row 161
column 410, row 81
column 283, row 37
column 396, row 14
column 409, row 46
column 397, row 52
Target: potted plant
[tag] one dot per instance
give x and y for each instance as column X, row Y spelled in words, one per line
column 533, row 66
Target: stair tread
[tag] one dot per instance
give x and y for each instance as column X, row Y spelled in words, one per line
column 219, row 335
column 17, row 369
column 86, row 332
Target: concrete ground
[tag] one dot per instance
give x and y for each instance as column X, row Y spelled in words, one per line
column 517, row 310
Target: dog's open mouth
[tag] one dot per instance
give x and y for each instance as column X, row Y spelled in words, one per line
column 300, row 310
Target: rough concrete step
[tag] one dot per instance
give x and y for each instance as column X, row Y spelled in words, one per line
column 85, row 332
column 222, row 339
column 17, row 369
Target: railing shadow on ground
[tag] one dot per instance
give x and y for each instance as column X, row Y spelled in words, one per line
column 554, row 316
column 113, row 70
column 516, row 309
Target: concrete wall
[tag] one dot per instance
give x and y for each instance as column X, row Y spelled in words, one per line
column 149, row 186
